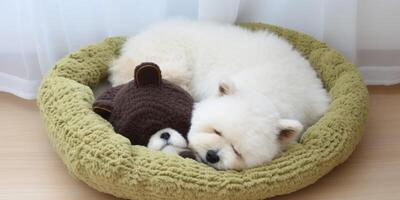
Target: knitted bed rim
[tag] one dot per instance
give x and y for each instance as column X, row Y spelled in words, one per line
column 106, row 161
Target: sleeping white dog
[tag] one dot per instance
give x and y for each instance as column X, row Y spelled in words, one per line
column 255, row 94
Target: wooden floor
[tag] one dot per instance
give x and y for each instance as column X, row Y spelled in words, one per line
column 29, row 168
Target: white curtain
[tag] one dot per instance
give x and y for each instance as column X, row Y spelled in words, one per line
column 34, row 34
column 366, row 32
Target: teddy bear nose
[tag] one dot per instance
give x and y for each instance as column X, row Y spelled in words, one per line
column 165, row 136
column 212, row 156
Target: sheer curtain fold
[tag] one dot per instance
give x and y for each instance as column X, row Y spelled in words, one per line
column 34, row 34
column 366, row 32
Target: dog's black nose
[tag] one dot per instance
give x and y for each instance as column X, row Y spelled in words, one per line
column 212, row 156
column 165, row 136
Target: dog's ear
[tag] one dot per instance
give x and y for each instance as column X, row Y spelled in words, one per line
column 289, row 130
column 226, row 87
column 147, row 74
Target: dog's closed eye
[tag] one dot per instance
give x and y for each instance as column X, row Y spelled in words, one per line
column 236, row 152
column 217, row 132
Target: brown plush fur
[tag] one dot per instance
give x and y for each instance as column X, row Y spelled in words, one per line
column 141, row 107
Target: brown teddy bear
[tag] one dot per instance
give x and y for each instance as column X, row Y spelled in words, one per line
column 149, row 111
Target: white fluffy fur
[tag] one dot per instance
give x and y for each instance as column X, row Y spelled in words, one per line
column 267, row 88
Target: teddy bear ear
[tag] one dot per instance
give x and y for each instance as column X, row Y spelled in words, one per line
column 104, row 110
column 147, row 74
column 104, row 103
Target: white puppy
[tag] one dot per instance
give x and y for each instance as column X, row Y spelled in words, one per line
column 255, row 93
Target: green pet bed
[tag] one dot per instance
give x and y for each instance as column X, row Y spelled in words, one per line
column 96, row 155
